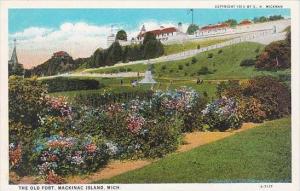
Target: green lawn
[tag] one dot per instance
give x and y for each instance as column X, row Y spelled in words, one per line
column 262, row 154
column 222, row 65
column 113, row 85
column 191, row 45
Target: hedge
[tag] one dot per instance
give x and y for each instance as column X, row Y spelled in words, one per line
column 68, row 84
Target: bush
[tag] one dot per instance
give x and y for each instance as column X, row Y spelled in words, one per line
column 203, row 71
column 187, row 64
column 68, row 84
column 274, row 96
column 247, row 62
column 180, row 67
column 69, row 155
column 163, row 67
column 194, row 60
column 210, row 55
column 198, row 46
column 220, row 51
column 276, row 55
column 251, row 110
column 229, row 89
column 222, row 114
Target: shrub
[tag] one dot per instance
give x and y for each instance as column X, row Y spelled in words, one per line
column 194, row 60
column 220, row 51
column 161, row 137
column 163, row 67
column 68, row 84
column 247, row 62
column 257, row 50
column 229, row 89
column 69, row 155
column 187, row 64
column 25, row 100
column 274, row 96
column 222, row 114
column 198, row 46
column 251, row 110
column 180, row 67
column 203, row 71
column 276, row 55
column 210, row 55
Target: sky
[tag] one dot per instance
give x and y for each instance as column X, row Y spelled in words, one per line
column 41, row 32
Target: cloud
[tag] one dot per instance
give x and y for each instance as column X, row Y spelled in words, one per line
column 36, row 44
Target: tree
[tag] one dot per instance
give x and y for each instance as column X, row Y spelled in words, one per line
column 192, row 29
column 16, row 69
column 152, row 47
column 121, row 35
column 231, row 22
column 149, row 37
column 115, row 53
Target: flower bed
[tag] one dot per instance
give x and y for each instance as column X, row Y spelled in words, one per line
column 62, row 139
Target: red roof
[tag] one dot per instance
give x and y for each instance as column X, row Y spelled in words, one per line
column 217, row 26
column 245, row 22
column 160, row 31
column 60, row 53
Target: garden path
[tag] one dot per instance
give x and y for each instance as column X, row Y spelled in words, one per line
column 117, row 167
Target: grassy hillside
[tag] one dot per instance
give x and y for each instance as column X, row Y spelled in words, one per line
column 221, row 63
column 262, row 154
column 190, row 45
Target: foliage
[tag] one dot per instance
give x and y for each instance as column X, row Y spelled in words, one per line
column 69, row 155
column 192, row 28
column 203, row 71
column 231, row 22
column 248, row 62
column 121, row 35
column 266, row 19
column 222, row 114
column 210, row 55
column 26, row 101
column 276, row 55
column 68, row 84
column 16, row 70
column 152, row 47
column 251, row 110
column 246, row 154
column 274, row 96
column 56, row 65
column 228, row 89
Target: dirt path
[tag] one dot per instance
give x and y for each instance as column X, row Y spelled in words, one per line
column 117, row 167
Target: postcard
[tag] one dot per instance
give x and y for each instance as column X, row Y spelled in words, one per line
column 153, row 95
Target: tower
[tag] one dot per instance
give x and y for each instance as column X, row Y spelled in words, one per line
column 180, row 27
column 111, row 38
column 14, row 58
column 14, row 67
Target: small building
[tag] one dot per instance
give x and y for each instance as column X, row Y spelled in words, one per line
column 211, row 30
column 60, row 54
column 245, row 23
column 162, row 34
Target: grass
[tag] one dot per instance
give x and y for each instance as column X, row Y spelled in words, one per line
column 191, row 45
column 222, row 65
column 262, row 154
column 114, row 85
